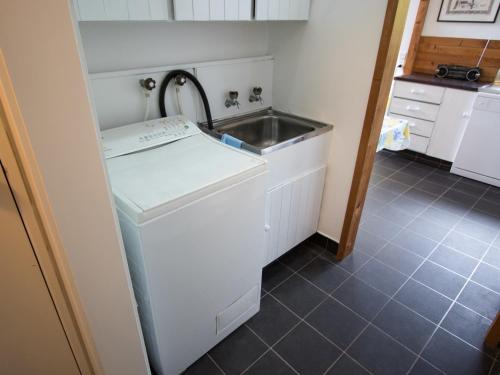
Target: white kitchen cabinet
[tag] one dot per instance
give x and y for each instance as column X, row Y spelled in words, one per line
column 293, row 212
column 452, row 120
column 121, row 10
column 213, row 10
column 282, row 10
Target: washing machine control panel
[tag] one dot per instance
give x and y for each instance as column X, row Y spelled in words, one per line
column 143, row 135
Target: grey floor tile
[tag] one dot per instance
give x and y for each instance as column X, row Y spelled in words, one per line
column 394, row 214
column 371, row 206
column 274, row 274
column 376, row 178
column 471, row 187
column 430, row 187
column 382, row 171
column 420, row 196
column 299, row 295
column 347, row 366
column 381, row 277
column 481, row 300
column 444, row 218
column 360, row 297
column 238, row 351
column 380, row 354
column 415, row 243
column 456, row 208
column 454, row 261
column 493, row 257
column 299, row 256
column 397, row 257
column 394, row 186
column 481, row 217
column 307, row 351
column 458, row 196
column 369, row 243
column 467, row 325
column 410, row 206
column 353, row 261
column 496, row 242
column 381, row 194
column 444, row 178
column 204, row 366
column 428, row 229
column 489, row 207
column 423, row 367
column 273, row 320
column 270, row 364
column 395, row 162
column 336, row 322
column 466, row 244
column 440, row 279
column 493, row 194
column 404, row 178
column 476, row 230
column 453, row 356
column 488, row 276
column 324, row 274
column 405, row 326
column 423, row 300
column 381, row 227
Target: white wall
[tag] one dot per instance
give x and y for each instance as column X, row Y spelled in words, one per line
column 457, row 29
column 126, row 45
column 323, row 70
column 42, row 54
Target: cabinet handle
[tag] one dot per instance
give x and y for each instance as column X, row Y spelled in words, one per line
column 417, row 91
column 267, row 228
column 412, row 109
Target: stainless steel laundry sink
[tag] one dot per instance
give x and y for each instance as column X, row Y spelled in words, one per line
column 267, row 131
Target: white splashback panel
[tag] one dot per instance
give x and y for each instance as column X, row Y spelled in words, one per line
column 119, row 99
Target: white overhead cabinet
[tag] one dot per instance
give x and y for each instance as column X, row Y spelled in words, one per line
column 213, row 10
column 121, row 10
column 282, row 10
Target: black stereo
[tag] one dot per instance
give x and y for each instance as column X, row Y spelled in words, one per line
column 458, row 72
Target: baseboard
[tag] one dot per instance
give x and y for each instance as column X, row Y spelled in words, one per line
column 324, row 242
column 425, row 159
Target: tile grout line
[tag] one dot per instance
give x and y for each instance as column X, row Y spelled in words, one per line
column 215, row 363
column 438, row 326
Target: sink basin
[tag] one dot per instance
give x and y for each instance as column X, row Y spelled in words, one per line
column 268, row 130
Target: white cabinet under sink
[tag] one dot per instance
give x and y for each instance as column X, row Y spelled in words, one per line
column 297, row 176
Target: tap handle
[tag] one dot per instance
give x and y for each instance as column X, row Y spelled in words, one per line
column 233, row 95
column 257, row 91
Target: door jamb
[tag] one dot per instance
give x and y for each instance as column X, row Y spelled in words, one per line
column 383, row 75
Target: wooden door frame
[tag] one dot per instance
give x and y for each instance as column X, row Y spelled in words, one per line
column 383, row 75
column 21, row 175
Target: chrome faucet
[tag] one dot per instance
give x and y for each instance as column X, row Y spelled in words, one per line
column 256, row 96
column 233, row 99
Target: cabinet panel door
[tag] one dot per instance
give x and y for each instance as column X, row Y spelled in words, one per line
column 183, row 10
column 303, row 9
column 159, row 10
column 454, row 114
column 273, row 9
column 284, row 10
column 261, row 9
column 286, row 204
column 217, row 10
column 116, row 9
column 245, row 10
column 295, row 206
column 273, row 215
column 232, row 10
column 91, row 10
column 139, row 10
column 201, row 10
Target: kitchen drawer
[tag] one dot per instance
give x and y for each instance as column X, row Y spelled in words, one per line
column 417, row 91
column 417, row 126
column 411, row 108
column 418, row 143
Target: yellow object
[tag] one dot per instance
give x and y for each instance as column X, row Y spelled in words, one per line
column 395, row 134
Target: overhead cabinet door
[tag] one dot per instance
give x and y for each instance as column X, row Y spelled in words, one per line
column 120, row 10
column 282, row 10
column 213, row 10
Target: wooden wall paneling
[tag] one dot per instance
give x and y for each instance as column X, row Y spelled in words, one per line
column 415, row 36
column 388, row 51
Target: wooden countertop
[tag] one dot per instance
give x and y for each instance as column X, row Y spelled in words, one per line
column 428, row 79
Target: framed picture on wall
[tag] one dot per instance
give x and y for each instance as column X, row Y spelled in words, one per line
column 469, row 11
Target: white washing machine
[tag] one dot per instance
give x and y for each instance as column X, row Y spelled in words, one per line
column 192, row 218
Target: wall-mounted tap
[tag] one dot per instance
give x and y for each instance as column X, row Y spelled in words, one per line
column 232, row 100
column 256, row 95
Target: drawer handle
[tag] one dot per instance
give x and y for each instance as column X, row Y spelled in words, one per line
column 412, row 109
column 417, row 91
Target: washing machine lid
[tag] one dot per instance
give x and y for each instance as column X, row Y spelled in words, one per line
column 153, row 182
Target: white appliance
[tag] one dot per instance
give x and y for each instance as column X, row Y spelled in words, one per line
column 479, row 154
column 192, row 213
